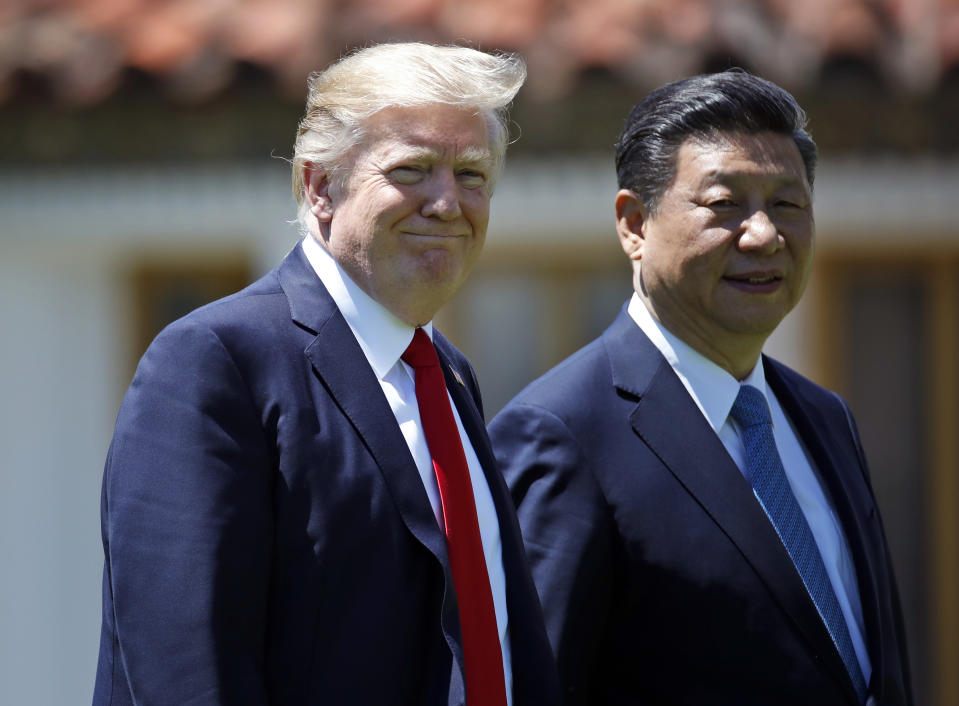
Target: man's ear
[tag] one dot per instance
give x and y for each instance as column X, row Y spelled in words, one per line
column 316, row 183
column 630, row 217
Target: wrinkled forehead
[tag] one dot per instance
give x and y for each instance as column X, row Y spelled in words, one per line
column 431, row 133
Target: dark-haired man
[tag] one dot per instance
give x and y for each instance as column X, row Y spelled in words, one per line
column 699, row 517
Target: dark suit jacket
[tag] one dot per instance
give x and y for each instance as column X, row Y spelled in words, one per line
column 661, row 578
column 268, row 538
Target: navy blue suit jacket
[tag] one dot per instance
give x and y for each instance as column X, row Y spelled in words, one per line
column 661, row 578
column 268, row 538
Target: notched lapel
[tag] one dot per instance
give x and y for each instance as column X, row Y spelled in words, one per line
column 341, row 366
column 694, row 454
column 672, row 426
column 830, row 443
column 338, row 360
column 530, row 645
column 837, row 462
column 476, row 430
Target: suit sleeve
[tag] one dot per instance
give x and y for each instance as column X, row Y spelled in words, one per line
column 568, row 535
column 187, row 527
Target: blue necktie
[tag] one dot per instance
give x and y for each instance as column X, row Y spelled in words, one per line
column 764, row 470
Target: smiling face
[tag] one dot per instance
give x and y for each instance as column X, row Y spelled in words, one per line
column 727, row 253
column 408, row 222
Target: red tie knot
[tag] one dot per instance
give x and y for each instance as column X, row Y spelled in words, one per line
column 420, row 353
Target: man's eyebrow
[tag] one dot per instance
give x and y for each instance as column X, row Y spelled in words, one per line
column 468, row 155
column 727, row 176
column 474, row 155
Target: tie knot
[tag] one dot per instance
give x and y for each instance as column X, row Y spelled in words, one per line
column 420, row 353
column 750, row 407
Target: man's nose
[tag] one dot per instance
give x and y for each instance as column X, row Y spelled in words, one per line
column 442, row 196
column 760, row 233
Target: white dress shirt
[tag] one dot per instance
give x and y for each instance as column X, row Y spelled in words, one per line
column 383, row 338
column 714, row 391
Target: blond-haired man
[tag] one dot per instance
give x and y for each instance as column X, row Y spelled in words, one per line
column 282, row 521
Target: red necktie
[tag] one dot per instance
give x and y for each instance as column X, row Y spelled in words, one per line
column 485, row 683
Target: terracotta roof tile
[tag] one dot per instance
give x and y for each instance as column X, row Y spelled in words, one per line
column 82, row 47
column 503, row 23
column 392, row 13
column 291, row 30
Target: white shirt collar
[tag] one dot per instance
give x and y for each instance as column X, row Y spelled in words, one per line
column 713, row 389
column 382, row 336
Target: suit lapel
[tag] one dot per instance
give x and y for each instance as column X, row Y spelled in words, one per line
column 341, row 366
column 835, row 456
column 530, row 650
column 670, row 423
column 475, row 428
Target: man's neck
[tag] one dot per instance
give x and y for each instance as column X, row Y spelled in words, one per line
column 737, row 355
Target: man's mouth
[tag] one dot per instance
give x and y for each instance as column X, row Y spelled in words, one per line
column 761, row 279
column 756, row 280
column 422, row 234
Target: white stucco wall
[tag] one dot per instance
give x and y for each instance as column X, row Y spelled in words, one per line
column 57, row 321
column 65, row 240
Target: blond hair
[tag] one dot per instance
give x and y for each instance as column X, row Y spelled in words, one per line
column 360, row 84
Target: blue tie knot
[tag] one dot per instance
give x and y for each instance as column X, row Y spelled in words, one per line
column 750, row 407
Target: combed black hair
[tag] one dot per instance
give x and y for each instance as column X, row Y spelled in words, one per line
column 702, row 107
